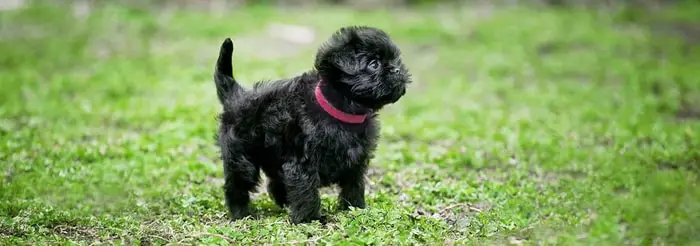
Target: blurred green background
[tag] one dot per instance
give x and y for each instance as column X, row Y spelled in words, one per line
column 529, row 122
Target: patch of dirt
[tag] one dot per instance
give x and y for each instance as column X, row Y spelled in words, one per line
column 8, row 174
column 11, row 232
column 375, row 182
column 556, row 47
column 553, row 178
column 689, row 32
column 216, row 181
column 155, row 230
column 688, row 112
column 573, row 174
column 621, row 190
column 688, row 108
column 656, row 88
column 590, row 140
column 69, row 231
column 689, row 160
column 411, row 139
column 691, row 165
column 82, row 233
column 457, row 215
column 606, row 141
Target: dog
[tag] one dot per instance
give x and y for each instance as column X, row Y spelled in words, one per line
column 314, row 130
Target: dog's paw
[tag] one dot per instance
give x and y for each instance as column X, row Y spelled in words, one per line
column 344, row 205
column 239, row 214
column 321, row 219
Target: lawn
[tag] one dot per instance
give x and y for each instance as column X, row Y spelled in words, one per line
column 524, row 125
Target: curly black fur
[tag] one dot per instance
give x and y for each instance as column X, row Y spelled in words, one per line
column 279, row 127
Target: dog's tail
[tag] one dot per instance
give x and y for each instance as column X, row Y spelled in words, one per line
column 226, row 86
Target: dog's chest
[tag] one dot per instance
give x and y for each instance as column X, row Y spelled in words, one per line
column 341, row 152
column 344, row 152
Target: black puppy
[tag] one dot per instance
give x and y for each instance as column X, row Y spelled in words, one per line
column 310, row 131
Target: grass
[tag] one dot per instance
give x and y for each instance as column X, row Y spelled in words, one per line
column 524, row 126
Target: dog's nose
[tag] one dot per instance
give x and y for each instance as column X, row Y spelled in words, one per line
column 394, row 70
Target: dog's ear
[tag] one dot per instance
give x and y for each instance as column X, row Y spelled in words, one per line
column 340, row 51
column 346, row 62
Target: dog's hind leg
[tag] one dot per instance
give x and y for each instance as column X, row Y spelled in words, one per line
column 278, row 192
column 241, row 178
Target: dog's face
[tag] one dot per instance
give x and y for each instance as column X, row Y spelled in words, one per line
column 365, row 65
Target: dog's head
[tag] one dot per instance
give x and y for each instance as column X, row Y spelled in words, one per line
column 365, row 65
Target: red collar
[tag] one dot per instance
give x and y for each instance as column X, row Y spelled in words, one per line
column 336, row 113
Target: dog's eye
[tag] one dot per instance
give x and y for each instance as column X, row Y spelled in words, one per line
column 373, row 65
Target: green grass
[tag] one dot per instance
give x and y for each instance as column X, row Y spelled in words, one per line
column 524, row 125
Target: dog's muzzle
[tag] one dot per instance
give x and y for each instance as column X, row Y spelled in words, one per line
column 397, row 93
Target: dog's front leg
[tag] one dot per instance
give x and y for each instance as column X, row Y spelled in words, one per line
column 352, row 191
column 302, row 181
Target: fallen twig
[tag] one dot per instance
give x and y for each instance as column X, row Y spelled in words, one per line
column 467, row 205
